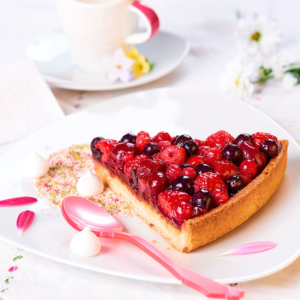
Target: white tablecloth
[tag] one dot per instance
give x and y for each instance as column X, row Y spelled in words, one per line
column 209, row 25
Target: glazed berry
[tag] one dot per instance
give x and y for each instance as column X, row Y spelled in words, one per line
column 97, row 154
column 173, row 155
column 133, row 180
column 148, row 167
column 105, row 146
column 134, row 164
column 195, row 160
column 182, row 211
column 232, row 153
column 261, row 136
column 151, row 149
column 95, row 141
column 225, row 169
column 210, row 182
column 128, row 138
column 167, row 200
column 191, row 148
column 182, row 183
column 212, row 155
column 163, row 145
column 203, row 199
column 249, row 151
column 244, row 137
column 234, row 184
column 203, row 168
column 189, row 172
column 249, row 166
column 173, row 172
column 179, row 140
column 158, row 157
column 185, row 165
column 142, row 185
column 220, row 197
column 128, row 156
column 269, row 147
column 156, row 184
column 142, row 139
column 199, row 143
column 203, row 150
column 198, row 211
column 162, row 136
column 219, row 139
column 245, row 177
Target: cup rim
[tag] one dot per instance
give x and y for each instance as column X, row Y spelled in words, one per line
column 108, row 3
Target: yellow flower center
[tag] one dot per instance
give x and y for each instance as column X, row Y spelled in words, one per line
column 118, row 66
column 237, row 82
column 256, row 36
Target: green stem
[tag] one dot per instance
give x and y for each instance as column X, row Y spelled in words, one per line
column 263, row 79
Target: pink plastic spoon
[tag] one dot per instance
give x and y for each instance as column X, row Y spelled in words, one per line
column 17, row 201
column 80, row 213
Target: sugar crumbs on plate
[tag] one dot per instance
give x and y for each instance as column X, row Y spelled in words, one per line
column 65, row 168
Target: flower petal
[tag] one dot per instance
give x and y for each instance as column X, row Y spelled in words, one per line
column 250, row 248
column 24, row 220
column 113, row 75
column 127, row 63
column 125, row 76
column 119, row 56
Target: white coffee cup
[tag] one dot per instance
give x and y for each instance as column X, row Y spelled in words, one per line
column 96, row 28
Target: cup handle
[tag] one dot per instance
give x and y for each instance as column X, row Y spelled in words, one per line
column 151, row 20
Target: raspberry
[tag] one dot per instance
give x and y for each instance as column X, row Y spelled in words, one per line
column 134, row 164
column 167, row 200
column 143, row 134
column 163, row 145
column 246, row 177
column 212, row 155
column 182, row 211
column 225, row 169
column 162, row 136
column 199, row 143
column 174, row 155
column 142, row 140
column 220, row 197
column 173, row 172
column 210, row 182
column 105, row 146
column 219, row 139
column 128, row 156
column 158, row 157
column 249, row 166
column 261, row 136
column 194, row 160
column 203, row 150
column 189, row 172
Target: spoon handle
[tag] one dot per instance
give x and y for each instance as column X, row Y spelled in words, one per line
column 17, row 201
column 204, row 285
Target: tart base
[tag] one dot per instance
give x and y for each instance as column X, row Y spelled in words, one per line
column 204, row 229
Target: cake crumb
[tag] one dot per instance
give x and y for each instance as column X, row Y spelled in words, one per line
column 151, row 225
column 169, row 249
column 154, row 241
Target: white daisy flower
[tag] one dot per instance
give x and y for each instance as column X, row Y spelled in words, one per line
column 235, row 81
column 289, row 81
column 257, row 36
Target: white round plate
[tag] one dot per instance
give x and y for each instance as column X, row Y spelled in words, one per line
column 196, row 112
column 51, row 54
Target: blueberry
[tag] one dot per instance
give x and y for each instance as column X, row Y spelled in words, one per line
column 232, row 153
column 203, row 168
column 179, row 140
column 244, row 137
column 183, row 184
column 203, row 198
column 151, row 149
column 96, row 152
column 129, row 138
column 269, row 147
column 234, row 184
column 183, row 166
column 133, row 180
column 191, row 148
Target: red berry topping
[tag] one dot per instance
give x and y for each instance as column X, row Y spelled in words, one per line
column 199, row 143
column 173, row 172
column 147, row 167
column 195, row 160
column 210, row 182
column 156, row 183
column 182, row 211
column 245, row 177
column 261, row 136
column 134, row 164
column 220, row 197
column 128, row 156
column 203, row 150
column 249, row 166
column 189, row 172
column 212, row 155
column 142, row 185
column 142, row 140
column 162, row 136
column 163, row 145
column 219, row 139
column 143, row 134
column 174, row 155
column 225, row 169
column 167, row 200
column 158, row 157
column 105, row 146
column 198, row 211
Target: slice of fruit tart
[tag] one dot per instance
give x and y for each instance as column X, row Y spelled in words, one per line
column 191, row 191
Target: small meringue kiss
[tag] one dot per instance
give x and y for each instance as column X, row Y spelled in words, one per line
column 89, row 185
column 35, row 166
column 85, row 243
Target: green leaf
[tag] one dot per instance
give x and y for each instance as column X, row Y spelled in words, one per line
column 18, row 257
column 2, row 291
column 7, row 281
column 264, row 72
column 150, row 64
column 262, row 79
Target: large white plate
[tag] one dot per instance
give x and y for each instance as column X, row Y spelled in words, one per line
column 51, row 54
column 196, row 112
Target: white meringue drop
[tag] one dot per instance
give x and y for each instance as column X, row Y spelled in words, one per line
column 35, row 166
column 89, row 185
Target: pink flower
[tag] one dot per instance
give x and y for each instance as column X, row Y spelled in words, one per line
column 12, row 269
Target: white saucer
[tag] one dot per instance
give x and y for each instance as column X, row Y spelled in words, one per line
column 51, row 54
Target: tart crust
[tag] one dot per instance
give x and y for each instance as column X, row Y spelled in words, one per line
column 204, row 229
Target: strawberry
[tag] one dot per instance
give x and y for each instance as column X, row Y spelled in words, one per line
column 203, row 150
column 158, row 157
column 220, row 197
column 225, row 169
column 173, row 171
column 173, row 155
column 105, row 146
column 212, row 155
column 182, row 212
column 219, row 139
column 134, row 164
column 261, row 136
column 210, row 182
column 249, row 166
